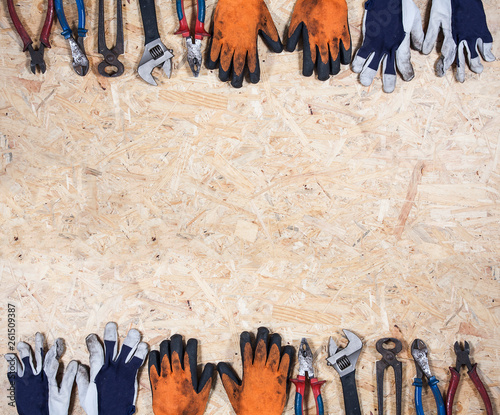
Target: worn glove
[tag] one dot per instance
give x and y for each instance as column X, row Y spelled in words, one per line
column 265, row 374
column 325, row 32
column 174, row 378
column 233, row 43
column 111, row 388
column 464, row 27
column 387, row 25
column 36, row 388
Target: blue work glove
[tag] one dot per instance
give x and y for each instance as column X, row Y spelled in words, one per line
column 36, row 388
column 387, row 25
column 464, row 27
column 111, row 388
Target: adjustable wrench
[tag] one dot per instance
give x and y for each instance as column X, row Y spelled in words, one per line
column 155, row 52
column 344, row 361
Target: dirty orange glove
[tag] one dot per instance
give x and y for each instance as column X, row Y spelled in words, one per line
column 233, row 43
column 265, row 374
column 325, row 33
column 174, row 379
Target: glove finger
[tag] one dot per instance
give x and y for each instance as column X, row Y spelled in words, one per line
column 432, row 32
column 129, row 346
column 139, row 356
column 448, row 53
column 345, row 54
column 213, row 51
column 460, row 74
column 51, row 364
column 273, row 360
column 166, row 367
column 206, row 379
column 225, row 63
column 403, row 56
column 231, row 383
column 473, row 57
column 294, row 36
column 191, row 361
column 269, row 33
column 246, row 350
column 322, row 63
column 110, row 342
column 68, row 380
column 177, row 352
column 358, row 63
column 417, row 32
column 154, row 370
column 96, row 358
column 370, row 69
column 82, row 381
column 388, row 73
column 334, row 56
column 15, row 366
column 308, row 53
column 26, row 357
column 39, row 348
column 261, row 347
column 485, row 50
column 285, row 366
column 239, row 61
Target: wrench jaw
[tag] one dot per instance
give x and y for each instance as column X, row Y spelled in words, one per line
column 344, row 360
column 155, row 54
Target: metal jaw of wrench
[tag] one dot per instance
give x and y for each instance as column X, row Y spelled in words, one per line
column 155, row 52
column 344, row 362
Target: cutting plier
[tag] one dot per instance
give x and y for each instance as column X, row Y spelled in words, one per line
column 35, row 54
column 80, row 61
column 193, row 48
column 419, row 353
column 306, row 366
column 464, row 360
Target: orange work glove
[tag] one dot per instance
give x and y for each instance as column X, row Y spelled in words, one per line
column 265, row 373
column 325, row 33
column 234, row 39
column 174, row 379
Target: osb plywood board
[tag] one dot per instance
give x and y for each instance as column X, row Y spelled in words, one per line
column 299, row 205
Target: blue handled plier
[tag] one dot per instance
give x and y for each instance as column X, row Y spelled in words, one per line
column 419, row 353
column 306, row 366
column 80, row 61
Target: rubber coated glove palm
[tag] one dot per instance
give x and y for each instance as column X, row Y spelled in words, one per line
column 464, row 27
column 233, row 43
column 387, row 25
column 36, row 388
column 265, row 375
column 324, row 27
column 111, row 388
column 174, row 378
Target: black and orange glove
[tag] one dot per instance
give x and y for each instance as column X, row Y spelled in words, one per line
column 174, row 379
column 325, row 32
column 233, row 44
column 265, row 373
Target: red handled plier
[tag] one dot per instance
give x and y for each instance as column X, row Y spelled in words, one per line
column 464, row 360
column 193, row 48
column 35, row 54
column 306, row 366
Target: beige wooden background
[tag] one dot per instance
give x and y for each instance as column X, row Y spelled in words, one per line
column 300, row 205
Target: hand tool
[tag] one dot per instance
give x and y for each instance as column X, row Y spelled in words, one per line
column 110, row 55
column 344, row 361
column 306, row 366
column 464, row 360
column 389, row 359
column 80, row 61
column 35, row 54
column 193, row 49
column 419, row 353
column 155, row 52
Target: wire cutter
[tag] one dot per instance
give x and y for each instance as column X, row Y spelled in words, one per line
column 193, row 49
column 419, row 353
column 80, row 61
column 306, row 366
column 110, row 55
column 389, row 359
column 35, row 54
column 464, row 360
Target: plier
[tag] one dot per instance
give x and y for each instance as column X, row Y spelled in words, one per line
column 419, row 353
column 464, row 360
column 80, row 61
column 306, row 366
column 389, row 359
column 35, row 54
column 193, row 49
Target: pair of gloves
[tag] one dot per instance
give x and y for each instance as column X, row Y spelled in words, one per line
column 109, row 389
column 324, row 28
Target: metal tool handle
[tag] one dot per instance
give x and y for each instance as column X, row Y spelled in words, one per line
column 148, row 13
column 433, row 383
column 481, row 389
column 419, row 409
column 351, row 400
